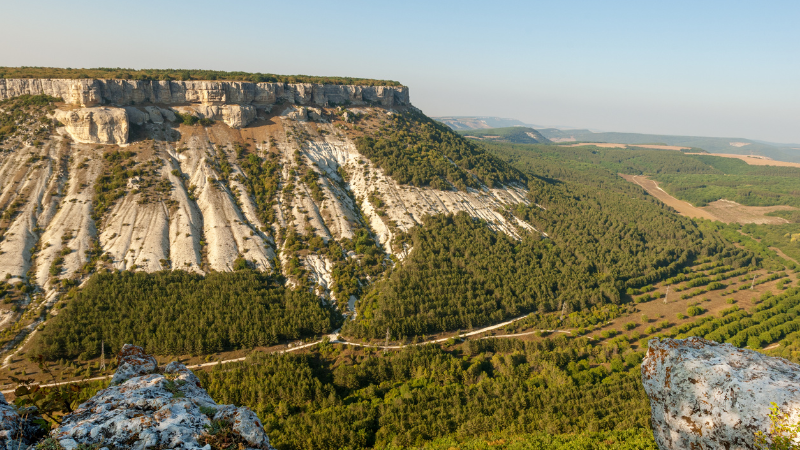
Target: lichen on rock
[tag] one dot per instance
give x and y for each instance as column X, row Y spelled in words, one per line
column 705, row 395
column 146, row 409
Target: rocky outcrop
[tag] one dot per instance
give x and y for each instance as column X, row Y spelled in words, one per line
column 17, row 430
column 156, row 410
column 235, row 116
column 133, row 362
column 93, row 92
column 98, row 125
column 705, row 395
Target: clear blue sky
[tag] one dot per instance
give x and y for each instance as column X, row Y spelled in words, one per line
column 712, row 68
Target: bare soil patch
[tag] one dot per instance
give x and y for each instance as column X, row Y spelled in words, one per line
column 614, row 145
column 730, row 211
column 723, row 210
column 753, row 160
column 683, row 208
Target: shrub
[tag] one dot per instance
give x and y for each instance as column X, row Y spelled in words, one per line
column 694, row 311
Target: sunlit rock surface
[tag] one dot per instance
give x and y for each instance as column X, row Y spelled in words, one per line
column 706, row 395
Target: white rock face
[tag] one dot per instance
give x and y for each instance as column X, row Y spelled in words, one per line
column 95, row 125
column 153, row 410
column 133, row 361
column 91, row 92
column 235, row 116
column 16, row 431
column 706, row 395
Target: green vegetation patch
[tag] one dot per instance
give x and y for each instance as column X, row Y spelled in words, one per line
column 333, row 398
column 25, row 110
column 182, row 75
column 737, row 181
column 173, row 313
column 461, row 274
column 415, row 150
column 605, row 237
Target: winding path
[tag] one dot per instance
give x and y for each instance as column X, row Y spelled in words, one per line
column 334, row 339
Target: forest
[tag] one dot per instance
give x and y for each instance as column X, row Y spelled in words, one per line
column 737, row 181
column 336, row 398
column 175, row 312
column 181, row 75
column 415, row 150
column 462, row 274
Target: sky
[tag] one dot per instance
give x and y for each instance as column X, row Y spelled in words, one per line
column 706, row 68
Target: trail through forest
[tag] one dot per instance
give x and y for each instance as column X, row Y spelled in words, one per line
column 334, row 339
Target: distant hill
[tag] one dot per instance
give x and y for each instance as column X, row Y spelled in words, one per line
column 513, row 135
column 480, row 122
column 739, row 146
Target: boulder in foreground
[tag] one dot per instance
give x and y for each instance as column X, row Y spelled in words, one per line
column 705, row 395
column 148, row 408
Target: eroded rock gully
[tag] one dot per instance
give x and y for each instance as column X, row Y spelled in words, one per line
column 185, row 201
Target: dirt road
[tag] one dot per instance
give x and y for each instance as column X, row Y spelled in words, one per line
column 723, row 210
column 684, row 208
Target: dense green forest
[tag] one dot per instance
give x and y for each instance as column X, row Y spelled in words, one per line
column 737, row 181
column 416, row 150
column 181, row 75
column 461, row 274
column 583, row 164
column 180, row 313
column 604, row 235
column 334, row 398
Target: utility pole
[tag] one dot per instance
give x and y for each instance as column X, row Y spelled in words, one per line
column 665, row 295
column 387, row 341
column 753, row 283
column 102, row 355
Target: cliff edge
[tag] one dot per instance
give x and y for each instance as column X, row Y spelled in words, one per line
column 94, row 92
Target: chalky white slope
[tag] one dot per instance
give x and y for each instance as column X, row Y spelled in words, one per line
column 184, row 203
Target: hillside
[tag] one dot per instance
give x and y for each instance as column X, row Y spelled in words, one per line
column 478, row 123
column 739, row 146
column 446, row 236
column 213, row 177
column 216, row 177
column 512, row 135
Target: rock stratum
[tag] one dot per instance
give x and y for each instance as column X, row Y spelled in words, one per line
column 145, row 407
column 93, row 92
column 115, row 177
column 706, row 395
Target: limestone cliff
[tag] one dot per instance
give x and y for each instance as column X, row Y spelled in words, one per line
column 705, row 395
column 92, row 92
column 133, row 187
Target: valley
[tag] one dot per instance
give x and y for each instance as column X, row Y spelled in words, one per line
column 360, row 275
